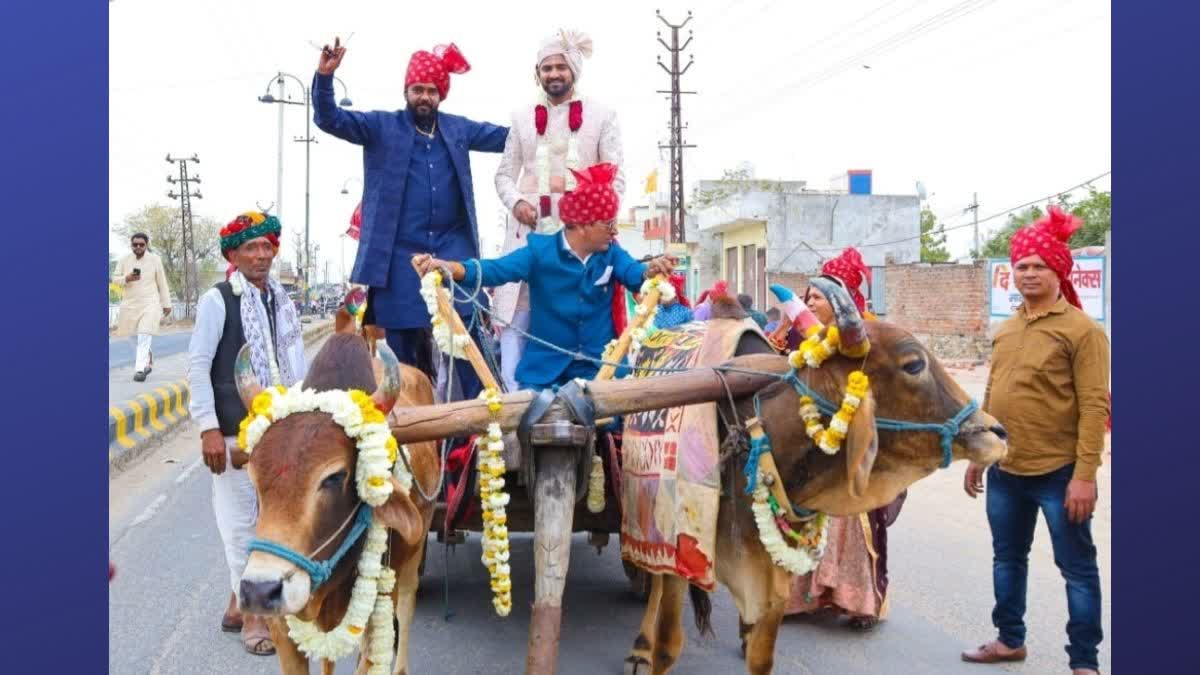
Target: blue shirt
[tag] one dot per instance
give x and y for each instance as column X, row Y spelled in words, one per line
column 670, row 316
column 434, row 220
column 570, row 302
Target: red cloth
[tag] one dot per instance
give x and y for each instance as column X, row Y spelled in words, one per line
column 436, row 67
column 593, row 200
column 1048, row 238
column 678, row 282
column 851, row 269
column 620, row 315
column 355, row 222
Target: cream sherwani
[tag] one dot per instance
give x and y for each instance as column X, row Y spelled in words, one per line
column 142, row 304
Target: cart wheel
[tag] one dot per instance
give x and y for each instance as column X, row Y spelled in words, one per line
column 639, row 581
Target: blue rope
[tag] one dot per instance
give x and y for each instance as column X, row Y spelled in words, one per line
column 947, row 430
column 318, row 572
column 757, row 447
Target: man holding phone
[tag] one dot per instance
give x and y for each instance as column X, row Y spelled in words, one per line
column 147, row 299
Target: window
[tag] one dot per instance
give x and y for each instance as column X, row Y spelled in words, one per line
column 731, row 266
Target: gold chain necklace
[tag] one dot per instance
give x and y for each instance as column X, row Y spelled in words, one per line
column 428, row 134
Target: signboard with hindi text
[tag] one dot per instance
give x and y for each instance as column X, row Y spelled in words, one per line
column 1089, row 276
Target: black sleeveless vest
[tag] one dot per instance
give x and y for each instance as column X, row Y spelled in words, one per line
column 230, row 410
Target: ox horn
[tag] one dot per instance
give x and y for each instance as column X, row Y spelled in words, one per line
column 388, row 388
column 851, row 327
column 248, row 385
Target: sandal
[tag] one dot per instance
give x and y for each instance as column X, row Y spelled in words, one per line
column 257, row 640
column 231, row 624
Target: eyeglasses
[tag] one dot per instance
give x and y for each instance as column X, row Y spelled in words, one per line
column 138, row 244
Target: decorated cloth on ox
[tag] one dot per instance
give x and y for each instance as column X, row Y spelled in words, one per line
column 671, row 478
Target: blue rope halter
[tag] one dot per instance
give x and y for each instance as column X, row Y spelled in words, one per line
column 947, row 430
column 759, row 446
column 318, row 571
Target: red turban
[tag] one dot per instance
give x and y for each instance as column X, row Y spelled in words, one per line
column 1048, row 238
column 593, row 200
column 436, row 67
column 355, row 223
column 850, row 269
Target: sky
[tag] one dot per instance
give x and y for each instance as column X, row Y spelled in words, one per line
column 1009, row 99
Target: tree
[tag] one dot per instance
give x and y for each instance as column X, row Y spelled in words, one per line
column 1095, row 210
column 164, row 225
column 732, row 182
column 933, row 238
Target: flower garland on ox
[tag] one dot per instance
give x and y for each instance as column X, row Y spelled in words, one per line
column 770, row 517
column 378, row 452
column 494, row 500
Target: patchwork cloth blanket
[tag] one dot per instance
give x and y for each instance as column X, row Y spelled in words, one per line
column 670, row 475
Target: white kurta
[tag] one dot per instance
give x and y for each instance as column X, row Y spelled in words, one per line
column 144, row 299
column 598, row 140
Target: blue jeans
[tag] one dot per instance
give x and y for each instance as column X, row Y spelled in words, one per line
column 1012, row 508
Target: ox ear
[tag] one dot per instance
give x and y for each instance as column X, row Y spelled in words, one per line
column 862, row 445
column 401, row 515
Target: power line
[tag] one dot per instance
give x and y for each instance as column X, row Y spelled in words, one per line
column 998, row 214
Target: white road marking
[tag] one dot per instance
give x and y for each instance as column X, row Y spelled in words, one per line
column 187, row 472
column 149, row 511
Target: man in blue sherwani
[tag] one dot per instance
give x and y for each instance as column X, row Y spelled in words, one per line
column 417, row 193
column 572, row 276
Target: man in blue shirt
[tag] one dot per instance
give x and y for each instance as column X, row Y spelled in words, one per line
column 417, row 193
column 571, row 277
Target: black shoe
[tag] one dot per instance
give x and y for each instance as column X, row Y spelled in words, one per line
column 139, row 376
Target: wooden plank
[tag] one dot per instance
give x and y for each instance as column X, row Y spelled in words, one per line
column 554, row 505
column 613, row 397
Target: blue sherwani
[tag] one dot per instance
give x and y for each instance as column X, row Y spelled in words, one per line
column 417, row 197
column 570, row 302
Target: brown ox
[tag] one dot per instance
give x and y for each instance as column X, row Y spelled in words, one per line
column 303, row 471
column 907, row 383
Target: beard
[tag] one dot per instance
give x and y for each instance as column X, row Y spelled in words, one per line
column 426, row 117
column 557, row 88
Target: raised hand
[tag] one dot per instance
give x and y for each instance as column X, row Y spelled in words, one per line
column 331, row 57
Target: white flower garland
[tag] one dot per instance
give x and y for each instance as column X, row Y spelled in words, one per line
column 595, row 496
column 800, row 560
column 490, row 460
column 430, row 283
column 378, row 452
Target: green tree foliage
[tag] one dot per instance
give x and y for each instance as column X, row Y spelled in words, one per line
column 933, row 238
column 1095, row 209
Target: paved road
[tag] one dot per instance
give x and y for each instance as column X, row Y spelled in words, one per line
column 171, row 586
column 120, row 350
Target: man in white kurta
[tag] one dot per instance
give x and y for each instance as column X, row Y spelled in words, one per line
column 249, row 309
column 146, row 300
column 559, row 129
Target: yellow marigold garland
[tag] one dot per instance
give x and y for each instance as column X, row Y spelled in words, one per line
column 595, row 496
column 830, row 440
column 493, row 500
column 815, row 349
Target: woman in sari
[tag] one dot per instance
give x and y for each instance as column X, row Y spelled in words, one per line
column 852, row 576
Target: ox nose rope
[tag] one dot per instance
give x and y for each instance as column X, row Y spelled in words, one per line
column 320, row 571
column 946, row 430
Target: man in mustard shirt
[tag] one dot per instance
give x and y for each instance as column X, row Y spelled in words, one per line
column 1049, row 388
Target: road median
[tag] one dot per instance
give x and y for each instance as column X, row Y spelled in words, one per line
column 141, row 423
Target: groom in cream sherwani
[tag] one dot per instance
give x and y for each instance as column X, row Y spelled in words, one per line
column 557, row 130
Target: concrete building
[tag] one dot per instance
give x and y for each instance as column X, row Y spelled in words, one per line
column 753, row 233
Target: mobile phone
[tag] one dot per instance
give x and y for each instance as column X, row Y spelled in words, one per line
column 137, row 271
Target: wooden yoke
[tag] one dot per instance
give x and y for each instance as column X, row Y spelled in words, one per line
column 454, row 321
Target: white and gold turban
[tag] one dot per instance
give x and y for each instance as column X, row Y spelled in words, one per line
column 574, row 46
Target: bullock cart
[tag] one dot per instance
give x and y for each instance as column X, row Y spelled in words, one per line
column 552, row 440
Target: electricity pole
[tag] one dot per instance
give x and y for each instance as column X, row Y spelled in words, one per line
column 676, row 143
column 974, row 208
column 190, row 282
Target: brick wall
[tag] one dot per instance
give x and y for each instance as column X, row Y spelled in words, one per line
column 945, row 306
